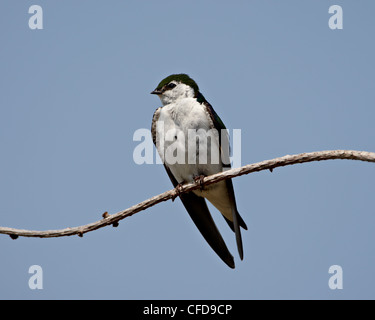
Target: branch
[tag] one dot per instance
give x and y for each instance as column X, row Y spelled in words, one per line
column 113, row 219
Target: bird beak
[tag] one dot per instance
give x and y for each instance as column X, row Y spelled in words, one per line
column 156, row 91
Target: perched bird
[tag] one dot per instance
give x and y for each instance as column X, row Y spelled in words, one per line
column 188, row 157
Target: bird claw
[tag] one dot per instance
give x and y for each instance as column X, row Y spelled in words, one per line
column 178, row 191
column 199, row 179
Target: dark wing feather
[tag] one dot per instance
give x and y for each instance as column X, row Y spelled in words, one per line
column 201, row 216
column 224, row 146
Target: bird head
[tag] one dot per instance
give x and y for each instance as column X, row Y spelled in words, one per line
column 176, row 86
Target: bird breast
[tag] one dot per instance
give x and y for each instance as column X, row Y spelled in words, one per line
column 188, row 143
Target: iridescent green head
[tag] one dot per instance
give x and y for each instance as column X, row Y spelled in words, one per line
column 176, row 86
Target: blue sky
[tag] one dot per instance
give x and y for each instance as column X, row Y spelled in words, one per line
column 74, row 93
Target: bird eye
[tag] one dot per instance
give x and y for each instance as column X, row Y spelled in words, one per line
column 171, row 85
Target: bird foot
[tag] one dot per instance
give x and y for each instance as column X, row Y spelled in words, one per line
column 178, row 191
column 199, row 179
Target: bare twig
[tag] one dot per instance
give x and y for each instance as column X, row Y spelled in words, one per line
column 113, row 219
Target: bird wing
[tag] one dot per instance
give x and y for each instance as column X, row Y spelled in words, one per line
column 218, row 124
